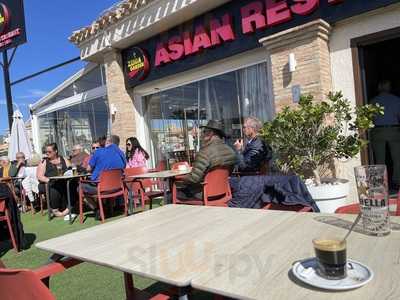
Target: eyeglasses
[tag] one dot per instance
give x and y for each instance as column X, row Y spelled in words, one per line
column 128, row 145
column 94, row 148
column 49, row 151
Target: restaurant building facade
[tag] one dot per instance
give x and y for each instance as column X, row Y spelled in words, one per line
column 171, row 65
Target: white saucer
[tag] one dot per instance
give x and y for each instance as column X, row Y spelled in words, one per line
column 357, row 275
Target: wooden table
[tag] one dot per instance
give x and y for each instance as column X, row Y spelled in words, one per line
column 165, row 176
column 239, row 253
column 68, row 178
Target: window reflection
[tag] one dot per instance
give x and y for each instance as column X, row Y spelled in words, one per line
column 174, row 116
column 77, row 124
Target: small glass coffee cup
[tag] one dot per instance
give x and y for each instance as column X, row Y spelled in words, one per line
column 331, row 258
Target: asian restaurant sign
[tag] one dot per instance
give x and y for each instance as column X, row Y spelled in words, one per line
column 230, row 29
column 12, row 24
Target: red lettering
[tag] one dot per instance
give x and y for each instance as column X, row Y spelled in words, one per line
column 252, row 15
column 162, row 56
column 277, row 12
column 187, row 43
column 304, row 7
column 176, row 48
column 201, row 39
column 224, row 31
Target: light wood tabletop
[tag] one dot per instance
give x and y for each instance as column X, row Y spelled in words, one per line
column 240, row 253
column 162, row 174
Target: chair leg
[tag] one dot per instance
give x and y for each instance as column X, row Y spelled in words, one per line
column 80, row 207
column 101, row 209
column 41, row 204
column 125, row 203
column 10, row 230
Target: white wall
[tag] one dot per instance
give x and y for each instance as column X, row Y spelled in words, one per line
column 342, row 63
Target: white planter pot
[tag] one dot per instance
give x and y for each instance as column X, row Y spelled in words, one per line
column 330, row 196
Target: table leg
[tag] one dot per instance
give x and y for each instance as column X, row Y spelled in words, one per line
column 166, row 184
column 48, row 201
column 183, row 293
column 69, row 201
column 129, row 287
column 130, row 199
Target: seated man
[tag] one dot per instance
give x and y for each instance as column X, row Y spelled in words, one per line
column 255, row 154
column 109, row 157
column 79, row 158
column 213, row 153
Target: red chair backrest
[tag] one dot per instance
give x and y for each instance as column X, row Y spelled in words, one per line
column 2, row 205
column 135, row 186
column 135, row 171
column 161, row 166
column 110, row 180
column 175, row 166
column 22, row 285
column 217, row 182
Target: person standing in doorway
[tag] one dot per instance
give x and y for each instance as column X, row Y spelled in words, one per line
column 386, row 133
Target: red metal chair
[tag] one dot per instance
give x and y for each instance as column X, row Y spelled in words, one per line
column 142, row 189
column 23, row 284
column 109, row 187
column 5, row 216
column 355, row 208
column 216, row 190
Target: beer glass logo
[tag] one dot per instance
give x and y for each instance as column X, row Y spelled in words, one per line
column 138, row 64
column 4, row 18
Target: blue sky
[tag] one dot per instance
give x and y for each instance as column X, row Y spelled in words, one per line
column 49, row 23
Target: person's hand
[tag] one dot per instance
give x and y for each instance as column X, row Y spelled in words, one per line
column 46, row 180
column 238, row 145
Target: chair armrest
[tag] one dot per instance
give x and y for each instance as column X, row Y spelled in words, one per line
column 55, row 267
column 90, row 181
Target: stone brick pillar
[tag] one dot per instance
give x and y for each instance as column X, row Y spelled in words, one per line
column 309, row 44
column 123, row 122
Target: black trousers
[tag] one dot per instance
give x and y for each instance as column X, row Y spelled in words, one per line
column 58, row 193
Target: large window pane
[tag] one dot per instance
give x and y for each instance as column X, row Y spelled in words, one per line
column 174, row 116
column 77, row 124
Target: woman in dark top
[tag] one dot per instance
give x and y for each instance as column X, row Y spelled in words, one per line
column 54, row 165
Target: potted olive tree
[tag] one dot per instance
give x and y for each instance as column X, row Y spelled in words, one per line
column 308, row 137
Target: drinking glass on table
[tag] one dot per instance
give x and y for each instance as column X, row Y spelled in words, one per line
column 74, row 170
column 372, row 188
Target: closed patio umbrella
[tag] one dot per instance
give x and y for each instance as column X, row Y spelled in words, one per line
column 19, row 139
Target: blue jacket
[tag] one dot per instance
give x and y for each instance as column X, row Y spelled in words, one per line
column 255, row 154
column 258, row 191
column 108, row 158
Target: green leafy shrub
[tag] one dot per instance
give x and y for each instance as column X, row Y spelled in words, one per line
column 312, row 134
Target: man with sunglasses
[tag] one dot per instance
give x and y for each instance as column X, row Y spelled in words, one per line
column 79, row 158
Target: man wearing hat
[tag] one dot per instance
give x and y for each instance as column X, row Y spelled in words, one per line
column 213, row 153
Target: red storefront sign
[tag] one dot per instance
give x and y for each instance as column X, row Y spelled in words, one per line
column 255, row 16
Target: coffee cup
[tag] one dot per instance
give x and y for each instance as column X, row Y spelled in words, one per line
column 331, row 258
